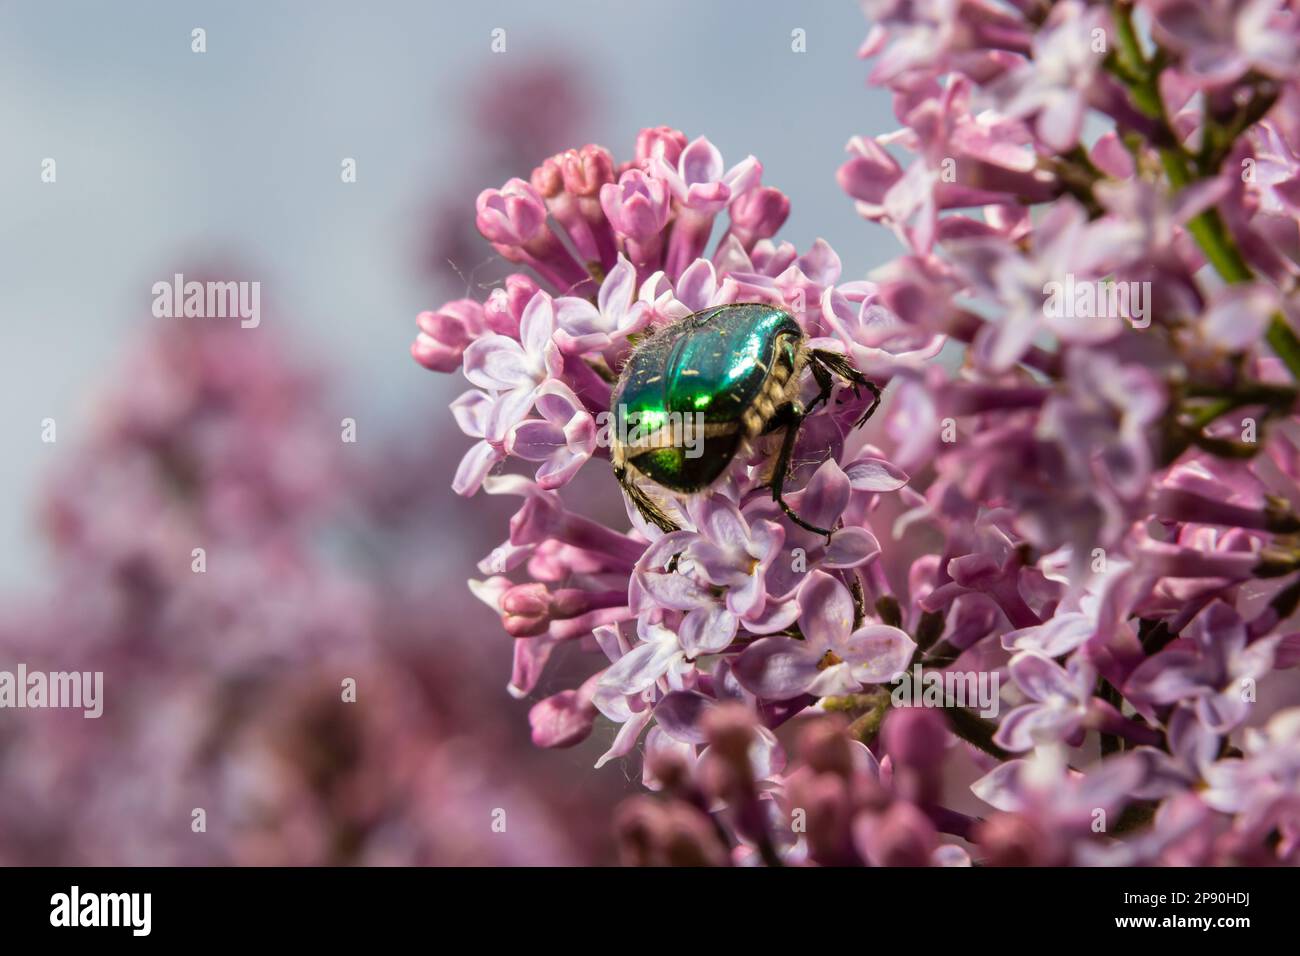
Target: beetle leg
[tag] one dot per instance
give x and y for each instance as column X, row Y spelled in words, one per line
column 644, row 503
column 793, row 416
column 846, row 370
column 824, row 381
column 874, row 389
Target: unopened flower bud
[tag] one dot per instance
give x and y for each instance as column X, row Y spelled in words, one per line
column 548, row 178
column 1012, row 839
column 663, row 142
column 586, row 170
column 526, row 609
column 651, row 833
column 824, row 747
column 901, row 836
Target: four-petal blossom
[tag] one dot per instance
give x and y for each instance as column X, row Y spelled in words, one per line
column 833, row 657
column 1060, row 696
column 562, row 439
column 515, row 369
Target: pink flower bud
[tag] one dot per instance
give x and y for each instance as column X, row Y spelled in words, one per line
column 828, row 807
column 562, row 720
column 511, row 215
column 445, row 334
column 586, row 170
column 758, row 214
column 525, row 610
column 505, row 306
column 901, row 836
column 663, row 142
column 915, row 738
column 548, row 178
column 651, row 833
column 825, row 748
column 1012, row 839
column 636, row 206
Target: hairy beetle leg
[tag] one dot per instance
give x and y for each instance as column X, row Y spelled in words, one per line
column 644, row 503
column 875, row 403
column 824, row 362
column 825, row 384
column 791, row 417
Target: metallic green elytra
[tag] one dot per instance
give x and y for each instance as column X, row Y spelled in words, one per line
column 692, row 394
column 711, row 368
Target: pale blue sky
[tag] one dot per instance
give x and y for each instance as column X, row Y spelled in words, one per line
column 167, row 157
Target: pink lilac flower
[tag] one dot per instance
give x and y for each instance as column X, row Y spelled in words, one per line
column 226, row 678
column 1096, row 501
column 1057, row 804
column 833, row 657
column 702, row 187
column 1064, row 243
column 828, row 495
column 878, row 341
column 445, row 334
column 1059, row 698
column 638, row 207
column 1261, row 784
column 919, row 39
column 1220, row 40
column 473, row 411
column 730, row 552
column 963, row 160
column 1054, row 86
column 605, row 327
column 1193, row 748
column 513, row 370
column 1215, row 670
column 562, row 439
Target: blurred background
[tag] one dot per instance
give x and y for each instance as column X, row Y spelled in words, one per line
column 324, row 560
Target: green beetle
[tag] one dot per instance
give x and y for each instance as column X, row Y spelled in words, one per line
column 693, row 394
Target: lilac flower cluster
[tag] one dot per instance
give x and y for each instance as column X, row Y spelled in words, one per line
column 1092, row 500
column 203, row 532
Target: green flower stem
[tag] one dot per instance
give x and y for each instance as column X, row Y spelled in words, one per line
column 975, row 730
column 1203, row 404
column 1283, row 341
column 1141, row 76
column 870, row 710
